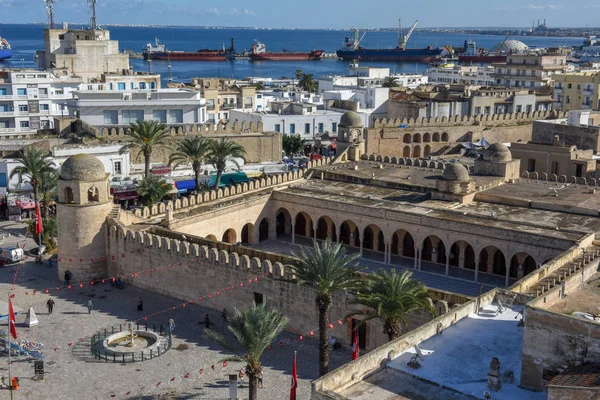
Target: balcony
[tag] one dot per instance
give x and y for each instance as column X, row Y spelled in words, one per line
column 229, row 106
column 210, row 107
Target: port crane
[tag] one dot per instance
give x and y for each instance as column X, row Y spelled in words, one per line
column 502, row 44
column 50, row 12
column 356, row 42
column 403, row 39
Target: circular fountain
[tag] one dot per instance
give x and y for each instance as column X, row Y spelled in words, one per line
column 132, row 345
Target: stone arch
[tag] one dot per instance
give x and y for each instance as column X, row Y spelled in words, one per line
column 303, row 226
column 325, row 229
column 445, row 137
column 522, row 264
column 229, row 236
column 426, row 150
column 263, row 229
column 247, row 233
column 417, row 151
column 93, row 195
column 403, row 244
column 417, row 138
column 406, row 152
column 426, row 137
column 492, row 260
column 407, row 138
column 69, row 198
column 373, row 238
column 372, row 157
column 211, row 237
column 349, row 234
column 462, row 255
column 436, row 137
column 283, row 222
column 434, row 250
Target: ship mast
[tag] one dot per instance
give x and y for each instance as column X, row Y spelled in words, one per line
column 50, row 12
column 400, row 37
column 92, row 14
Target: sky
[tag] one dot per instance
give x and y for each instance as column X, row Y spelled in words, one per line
column 336, row 14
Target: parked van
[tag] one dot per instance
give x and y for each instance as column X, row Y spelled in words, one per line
column 10, row 255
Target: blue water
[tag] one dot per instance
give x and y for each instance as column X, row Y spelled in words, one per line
column 26, row 39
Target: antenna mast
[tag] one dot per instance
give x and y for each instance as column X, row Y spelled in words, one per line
column 92, row 14
column 50, row 12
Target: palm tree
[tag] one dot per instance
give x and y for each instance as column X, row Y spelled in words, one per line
column 192, row 149
column 48, row 182
column 326, row 269
column 254, row 329
column 35, row 163
column 390, row 297
column 292, row 144
column 299, row 74
column 146, row 136
column 153, row 189
column 220, row 151
column 307, row 82
column 390, row 82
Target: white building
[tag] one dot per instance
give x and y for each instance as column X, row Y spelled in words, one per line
column 170, row 106
column 530, row 71
column 411, row 81
column 465, row 74
column 30, row 99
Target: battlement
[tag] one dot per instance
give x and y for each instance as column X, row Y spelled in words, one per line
column 160, row 209
column 468, row 120
column 187, row 129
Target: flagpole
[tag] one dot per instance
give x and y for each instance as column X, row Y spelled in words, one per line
column 9, row 335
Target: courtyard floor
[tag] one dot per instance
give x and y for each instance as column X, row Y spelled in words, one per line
column 71, row 372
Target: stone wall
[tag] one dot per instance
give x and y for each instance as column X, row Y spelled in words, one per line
column 554, row 341
column 584, row 137
column 573, row 393
column 192, row 270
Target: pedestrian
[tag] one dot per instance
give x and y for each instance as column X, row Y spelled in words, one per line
column 90, row 306
column 260, row 379
column 140, row 306
column 67, row 278
column 171, row 325
column 50, row 305
column 224, row 315
column 241, row 376
column 207, row 322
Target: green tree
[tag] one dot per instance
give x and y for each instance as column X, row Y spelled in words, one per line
column 307, row 82
column 299, row 74
column 391, row 297
column 258, row 85
column 191, row 150
column 326, row 269
column 35, row 163
column 390, row 82
column 48, row 182
column 49, row 233
column 220, row 151
column 292, row 144
column 146, row 136
column 153, row 189
column 254, row 329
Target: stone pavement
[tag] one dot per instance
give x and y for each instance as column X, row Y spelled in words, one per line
column 72, row 374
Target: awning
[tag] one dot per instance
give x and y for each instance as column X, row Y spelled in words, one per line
column 126, row 196
column 333, row 146
column 27, row 205
column 185, row 185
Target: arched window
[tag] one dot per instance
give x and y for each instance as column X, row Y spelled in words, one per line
column 69, row 195
column 93, row 195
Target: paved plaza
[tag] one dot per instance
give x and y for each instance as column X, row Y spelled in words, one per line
column 71, row 373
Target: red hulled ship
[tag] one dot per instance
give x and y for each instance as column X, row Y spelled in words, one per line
column 259, row 53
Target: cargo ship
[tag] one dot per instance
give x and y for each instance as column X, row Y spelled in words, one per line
column 352, row 50
column 159, row 52
column 5, row 50
column 259, row 53
column 474, row 55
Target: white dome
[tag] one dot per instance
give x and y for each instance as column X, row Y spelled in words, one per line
column 512, row 47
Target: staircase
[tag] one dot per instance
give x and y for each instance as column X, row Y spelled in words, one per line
column 555, row 278
column 115, row 212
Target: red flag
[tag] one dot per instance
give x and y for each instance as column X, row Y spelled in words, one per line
column 38, row 220
column 355, row 346
column 294, row 380
column 11, row 313
column 224, row 364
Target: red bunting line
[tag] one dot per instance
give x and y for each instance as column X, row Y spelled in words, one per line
column 291, row 340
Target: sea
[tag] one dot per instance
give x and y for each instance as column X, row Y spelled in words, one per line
column 26, row 39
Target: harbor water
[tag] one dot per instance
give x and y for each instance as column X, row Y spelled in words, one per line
column 26, row 39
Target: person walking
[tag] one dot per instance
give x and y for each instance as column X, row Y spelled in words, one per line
column 241, row 376
column 50, row 306
column 171, row 325
column 140, row 306
column 207, row 322
column 260, row 379
column 67, row 278
column 224, row 315
column 90, row 306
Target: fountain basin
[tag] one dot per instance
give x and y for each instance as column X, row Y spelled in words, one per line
column 118, row 344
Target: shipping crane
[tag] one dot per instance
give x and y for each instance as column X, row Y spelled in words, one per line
column 403, row 39
column 50, row 12
column 502, row 44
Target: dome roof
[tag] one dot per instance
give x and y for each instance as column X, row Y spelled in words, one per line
column 456, row 172
column 512, row 47
column 497, row 152
column 82, row 167
column 351, row 119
